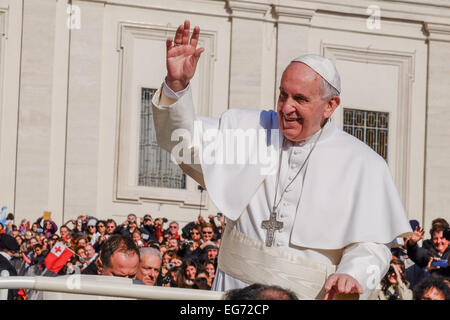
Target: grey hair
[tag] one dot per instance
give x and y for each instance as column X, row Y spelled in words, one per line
column 148, row 251
column 328, row 91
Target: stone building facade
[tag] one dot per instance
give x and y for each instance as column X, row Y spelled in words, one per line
column 77, row 74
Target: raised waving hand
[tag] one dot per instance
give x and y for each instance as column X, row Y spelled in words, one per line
column 182, row 56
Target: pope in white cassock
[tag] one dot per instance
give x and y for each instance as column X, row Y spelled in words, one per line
column 319, row 222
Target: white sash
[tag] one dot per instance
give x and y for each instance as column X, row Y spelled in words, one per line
column 251, row 261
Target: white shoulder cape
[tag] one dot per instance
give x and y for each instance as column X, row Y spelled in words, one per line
column 348, row 194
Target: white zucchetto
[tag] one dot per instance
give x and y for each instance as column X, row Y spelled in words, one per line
column 323, row 66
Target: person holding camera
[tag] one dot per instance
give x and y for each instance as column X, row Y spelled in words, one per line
column 148, row 229
column 394, row 285
column 128, row 226
column 434, row 259
column 159, row 228
column 191, row 248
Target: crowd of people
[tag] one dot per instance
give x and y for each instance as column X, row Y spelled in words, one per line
column 157, row 252
column 419, row 272
column 168, row 256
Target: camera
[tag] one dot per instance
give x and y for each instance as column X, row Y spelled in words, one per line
column 189, row 242
column 219, row 214
column 166, row 280
column 165, row 220
column 170, row 265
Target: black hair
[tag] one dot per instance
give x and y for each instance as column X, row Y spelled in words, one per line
column 115, row 243
column 258, row 291
column 433, row 281
column 100, row 221
column 111, row 220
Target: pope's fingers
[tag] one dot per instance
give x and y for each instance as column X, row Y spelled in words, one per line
column 198, row 52
column 341, row 285
column 179, row 35
column 169, row 43
column 350, row 286
column 195, row 36
column 186, row 32
column 330, row 282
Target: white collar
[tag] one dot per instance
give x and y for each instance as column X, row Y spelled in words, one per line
column 309, row 140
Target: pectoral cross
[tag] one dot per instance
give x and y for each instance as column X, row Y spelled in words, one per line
column 271, row 226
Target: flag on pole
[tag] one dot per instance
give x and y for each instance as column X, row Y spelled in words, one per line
column 57, row 257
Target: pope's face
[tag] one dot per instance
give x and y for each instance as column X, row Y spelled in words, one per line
column 301, row 109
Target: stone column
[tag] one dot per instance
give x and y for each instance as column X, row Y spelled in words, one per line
column 252, row 63
column 35, row 109
column 437, row 152
column 83, row 124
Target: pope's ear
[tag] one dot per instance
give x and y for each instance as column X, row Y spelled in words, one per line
column 333, row 103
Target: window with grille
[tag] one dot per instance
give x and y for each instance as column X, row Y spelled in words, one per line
column 155, row 166
column 371, row 127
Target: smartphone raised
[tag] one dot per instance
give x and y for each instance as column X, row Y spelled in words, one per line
column 443, row 263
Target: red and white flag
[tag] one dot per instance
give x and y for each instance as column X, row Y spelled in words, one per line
column 57, row 257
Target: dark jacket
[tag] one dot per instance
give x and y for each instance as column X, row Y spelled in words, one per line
column 150, row 231
column 421, row 257
column 6, row 265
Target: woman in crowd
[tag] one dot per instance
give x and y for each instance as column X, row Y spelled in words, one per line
column 393, row 285
column 187, row 275
column 137, row 239
column 210, row 271
column 34, row 229
column 24, row 226
column 191, row 248
column 49, row 227
column 207, row 232
column 101, row 235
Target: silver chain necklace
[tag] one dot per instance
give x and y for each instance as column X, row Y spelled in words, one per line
column 272, row 224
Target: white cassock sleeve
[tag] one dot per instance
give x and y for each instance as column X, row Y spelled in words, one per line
column 367, row 262
column 173, row 111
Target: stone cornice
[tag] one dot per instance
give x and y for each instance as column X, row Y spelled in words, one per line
column 248, row 10
column 437, row 32
column 291, row 15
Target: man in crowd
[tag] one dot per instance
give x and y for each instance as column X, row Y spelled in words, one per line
column 8, row 248
column 319, row 181
column 148, row 229
column 173, row 230
column 110, row 226
column 119, row 257
column 149, row 266
column 129, row 226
